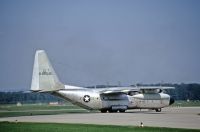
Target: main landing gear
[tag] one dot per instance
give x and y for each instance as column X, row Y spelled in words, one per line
column 112, row 111
column 103, row 111
column 158, row 110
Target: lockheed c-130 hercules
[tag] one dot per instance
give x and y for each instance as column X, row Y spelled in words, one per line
column 114, row 99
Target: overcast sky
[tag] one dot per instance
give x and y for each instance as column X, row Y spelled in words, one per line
column 98, row 42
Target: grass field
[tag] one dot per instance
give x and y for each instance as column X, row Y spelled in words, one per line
column 14, row 107
column 52, row 127
column 37, row 109
column 181, row 103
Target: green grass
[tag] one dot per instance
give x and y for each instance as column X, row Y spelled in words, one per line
column 53, row 127
column 195, row 103
column 31, row 113
column 35, row 109
column 13, row 107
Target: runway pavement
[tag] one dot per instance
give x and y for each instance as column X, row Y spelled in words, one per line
column 182, row 117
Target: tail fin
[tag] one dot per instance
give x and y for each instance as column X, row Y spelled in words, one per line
column 44, row 78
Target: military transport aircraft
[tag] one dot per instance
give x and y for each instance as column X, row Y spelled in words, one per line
column 114, row 99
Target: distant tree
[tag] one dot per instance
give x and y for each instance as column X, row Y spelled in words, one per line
column 181, row 92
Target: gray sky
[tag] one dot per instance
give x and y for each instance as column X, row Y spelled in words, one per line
column 94, row 42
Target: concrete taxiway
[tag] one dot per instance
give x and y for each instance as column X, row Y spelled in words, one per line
column 182, row 117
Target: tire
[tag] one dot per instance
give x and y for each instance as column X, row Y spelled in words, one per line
column 158, row 110
column 103, row 111
column 122, row 111
column 112, row 111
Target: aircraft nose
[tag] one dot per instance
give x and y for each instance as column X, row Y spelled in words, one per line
column 171, row 101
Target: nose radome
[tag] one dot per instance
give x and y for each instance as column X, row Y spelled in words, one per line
column 171, row 101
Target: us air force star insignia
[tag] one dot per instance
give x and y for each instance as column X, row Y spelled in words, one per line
column 86, row 98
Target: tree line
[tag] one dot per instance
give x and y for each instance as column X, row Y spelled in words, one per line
column 181, row 92
column 14, row 97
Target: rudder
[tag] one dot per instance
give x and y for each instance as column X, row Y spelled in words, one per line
column 44, row 78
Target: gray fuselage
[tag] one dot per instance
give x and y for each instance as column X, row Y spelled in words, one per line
column 91, row 99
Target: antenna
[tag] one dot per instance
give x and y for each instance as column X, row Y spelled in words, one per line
column 107, row 84
column 119, row 83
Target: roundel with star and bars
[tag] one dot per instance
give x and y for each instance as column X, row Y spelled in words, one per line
column 86, row 98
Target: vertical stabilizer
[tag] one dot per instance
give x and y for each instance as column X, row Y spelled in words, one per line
column 44, row 78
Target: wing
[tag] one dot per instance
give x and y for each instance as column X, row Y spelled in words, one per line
column 154, row 87
column 127, row 90
column 118, row 90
